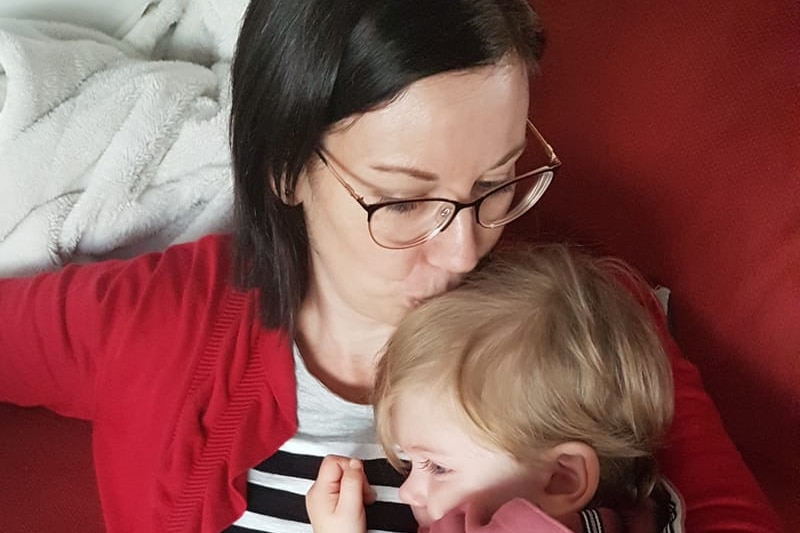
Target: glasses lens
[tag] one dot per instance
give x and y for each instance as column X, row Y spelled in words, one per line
column 507, row 203
column 405, row 224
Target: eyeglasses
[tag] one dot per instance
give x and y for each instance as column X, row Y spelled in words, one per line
column 399, row 224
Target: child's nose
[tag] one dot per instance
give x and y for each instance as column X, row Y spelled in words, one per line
column 412, row 492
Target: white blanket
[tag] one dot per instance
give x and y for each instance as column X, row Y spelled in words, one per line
column 107, row 150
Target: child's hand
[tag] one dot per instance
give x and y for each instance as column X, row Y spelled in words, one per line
column 335, row 502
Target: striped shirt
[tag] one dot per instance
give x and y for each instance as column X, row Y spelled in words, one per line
column 327, row 424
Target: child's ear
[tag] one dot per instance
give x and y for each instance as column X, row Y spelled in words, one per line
column 573, row 476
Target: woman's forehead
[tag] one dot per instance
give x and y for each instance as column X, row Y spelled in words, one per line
column 471, row 118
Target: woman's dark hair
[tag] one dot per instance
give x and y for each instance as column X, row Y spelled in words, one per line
column 303, row 65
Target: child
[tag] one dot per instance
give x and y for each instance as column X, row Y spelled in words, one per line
column 537, row 410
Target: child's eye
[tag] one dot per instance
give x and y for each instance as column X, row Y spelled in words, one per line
column 433, row 468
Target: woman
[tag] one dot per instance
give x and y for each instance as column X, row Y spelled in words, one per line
column 214, row 383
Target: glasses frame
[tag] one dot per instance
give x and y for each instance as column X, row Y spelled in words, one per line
column 553, row 163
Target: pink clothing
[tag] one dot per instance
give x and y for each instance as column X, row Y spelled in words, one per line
column 521, row 516
column 515, row 516
column 187, row 391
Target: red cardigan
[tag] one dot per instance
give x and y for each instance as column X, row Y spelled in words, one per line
column 186, row 392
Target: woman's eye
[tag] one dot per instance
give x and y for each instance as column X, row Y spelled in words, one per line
column 488, row 185
column 402, row 208
column 483, row 186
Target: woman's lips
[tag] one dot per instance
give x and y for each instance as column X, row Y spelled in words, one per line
column 416, row 301
column 413, row 303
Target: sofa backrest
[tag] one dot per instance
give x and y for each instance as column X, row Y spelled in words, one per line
column 678, row 124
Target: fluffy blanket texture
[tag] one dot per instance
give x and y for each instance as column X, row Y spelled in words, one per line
column 114, row 146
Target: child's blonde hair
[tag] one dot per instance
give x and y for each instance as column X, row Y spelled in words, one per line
column 542, row 346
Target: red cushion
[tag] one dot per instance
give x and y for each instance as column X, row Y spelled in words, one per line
column 46, row 475
column 679, row 127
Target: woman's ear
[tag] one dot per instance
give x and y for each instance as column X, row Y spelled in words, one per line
column 286, row 194
column 573, row 473
column 290, row 195
column 301, row 191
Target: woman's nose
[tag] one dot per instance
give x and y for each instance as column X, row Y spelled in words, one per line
column 413, row 490
column 456, row 249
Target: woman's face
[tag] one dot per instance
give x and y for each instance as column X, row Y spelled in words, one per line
column 440, row 138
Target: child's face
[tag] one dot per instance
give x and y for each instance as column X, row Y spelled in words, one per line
column 448, row 466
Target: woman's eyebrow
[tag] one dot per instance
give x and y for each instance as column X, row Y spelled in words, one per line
column 514, row 152
column 425, row 175
column 414, row 172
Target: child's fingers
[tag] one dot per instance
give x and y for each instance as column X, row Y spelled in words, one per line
column 352, row 488
column 331, row 470
column 323, row 495
column 368, row 494
column 340, row 475
column 335, row 501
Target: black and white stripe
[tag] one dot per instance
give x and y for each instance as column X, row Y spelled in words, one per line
column 675, row 509
column 276, row 495
column 327, row 424
column 592, row 522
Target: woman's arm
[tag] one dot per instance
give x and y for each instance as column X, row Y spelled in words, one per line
column 718, row 491
column 53, row 327
column 60, row 330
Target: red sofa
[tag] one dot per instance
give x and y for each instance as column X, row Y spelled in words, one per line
column 679, row 127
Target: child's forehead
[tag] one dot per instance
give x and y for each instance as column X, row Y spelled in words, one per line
column 437, row 434
column 427, row 420
column 425, row 402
